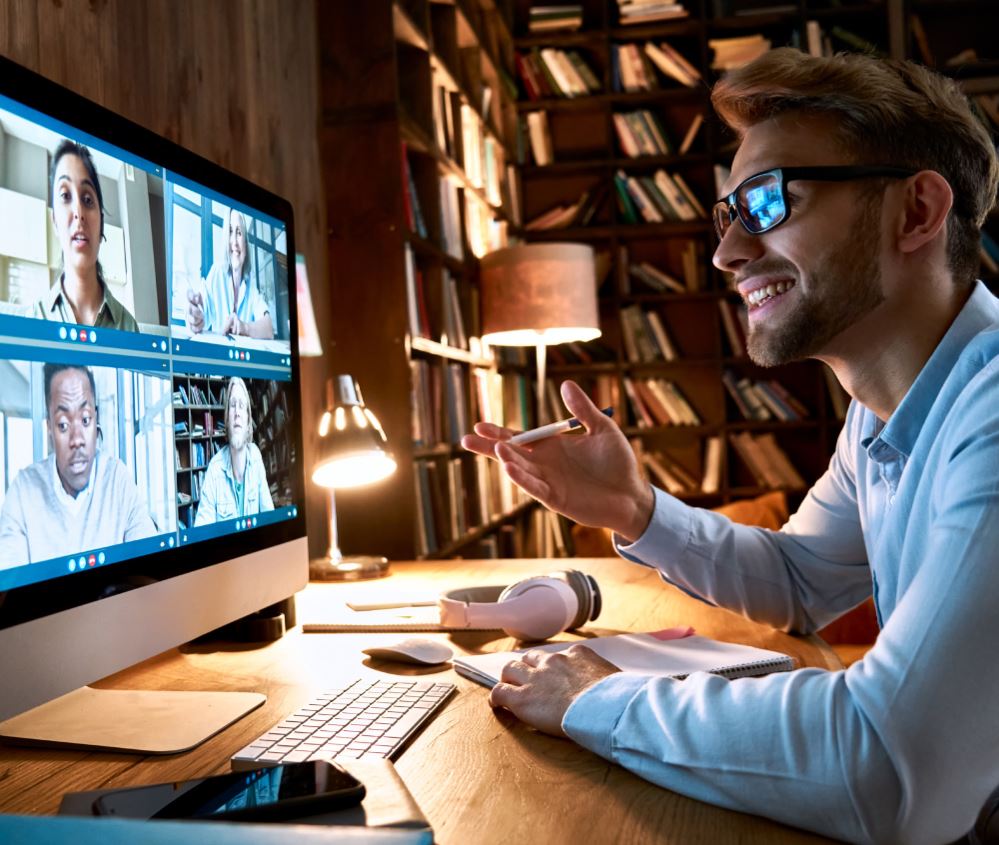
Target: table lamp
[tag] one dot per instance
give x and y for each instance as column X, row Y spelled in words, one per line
column 539, row 295
column 351, row 454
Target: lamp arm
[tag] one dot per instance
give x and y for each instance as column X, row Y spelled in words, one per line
column 334, row 553
column 540, row 352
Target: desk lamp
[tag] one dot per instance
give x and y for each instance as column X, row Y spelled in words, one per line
column 351, row 454
column 539, row 295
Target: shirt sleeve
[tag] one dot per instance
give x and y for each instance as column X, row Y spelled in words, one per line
column 14, row 549
column 140, row 524
column 899, row 747
column 206, row 513
column 797, row 579
column 266, row 502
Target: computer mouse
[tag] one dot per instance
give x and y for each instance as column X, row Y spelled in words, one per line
column 413, row 650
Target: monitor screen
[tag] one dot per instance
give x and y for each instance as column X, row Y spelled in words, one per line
column 149, row 386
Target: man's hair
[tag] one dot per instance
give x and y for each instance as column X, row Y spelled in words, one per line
column 237, row 383
column 888, row 112
column 67, row 147
column 50, row 371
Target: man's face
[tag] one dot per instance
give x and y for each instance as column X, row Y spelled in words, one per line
column 73, row 428
column 821, row 266
column 238, row 417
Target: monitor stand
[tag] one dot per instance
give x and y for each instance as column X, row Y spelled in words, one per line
column 133, row 721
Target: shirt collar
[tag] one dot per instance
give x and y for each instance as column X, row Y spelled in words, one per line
column 73, row 503
column 980, row 312
column 56, row 303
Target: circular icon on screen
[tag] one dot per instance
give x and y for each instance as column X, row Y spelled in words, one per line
column 72, row 334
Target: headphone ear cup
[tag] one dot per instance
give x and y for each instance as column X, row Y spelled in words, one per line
column 543, row 606
column 588, row 603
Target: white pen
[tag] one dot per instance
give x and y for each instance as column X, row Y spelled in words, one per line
column 551, row 429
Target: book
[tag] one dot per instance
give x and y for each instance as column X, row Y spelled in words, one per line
column 713, row 449
column 658, row 654
column 688, row 139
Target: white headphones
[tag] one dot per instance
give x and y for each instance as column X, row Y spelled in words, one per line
column 534, row 609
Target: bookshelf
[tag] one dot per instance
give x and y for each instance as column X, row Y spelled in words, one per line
column 199, row 427
column 668, row 338
column 417, row 136
column 406, row 230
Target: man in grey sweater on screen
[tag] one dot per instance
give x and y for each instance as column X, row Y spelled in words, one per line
column 850, row 225
column 78, row 498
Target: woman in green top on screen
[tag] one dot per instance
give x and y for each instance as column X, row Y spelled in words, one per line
column 81, row 295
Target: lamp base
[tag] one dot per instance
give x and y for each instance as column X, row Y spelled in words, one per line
column 353, row 568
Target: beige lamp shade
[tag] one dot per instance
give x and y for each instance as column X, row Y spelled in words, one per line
column 539, row 295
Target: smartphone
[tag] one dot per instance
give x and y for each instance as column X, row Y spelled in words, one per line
column 279, row 793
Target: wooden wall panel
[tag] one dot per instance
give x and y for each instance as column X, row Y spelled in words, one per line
column 236, row 81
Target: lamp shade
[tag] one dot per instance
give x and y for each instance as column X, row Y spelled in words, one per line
column 539, row 295
column 351, row 440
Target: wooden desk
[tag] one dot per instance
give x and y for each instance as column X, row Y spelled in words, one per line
column 480, row 776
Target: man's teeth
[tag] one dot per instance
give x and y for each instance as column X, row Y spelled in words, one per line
column 761, row 295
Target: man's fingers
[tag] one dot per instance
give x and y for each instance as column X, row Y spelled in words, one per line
column 504, row 695
column 515, row 672
column 495, row 432
column 582, row 407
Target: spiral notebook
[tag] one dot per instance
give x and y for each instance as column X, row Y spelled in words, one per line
column 647, row 654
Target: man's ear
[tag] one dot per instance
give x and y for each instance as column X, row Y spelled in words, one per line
column 926, row 201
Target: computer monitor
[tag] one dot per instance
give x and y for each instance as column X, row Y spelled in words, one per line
column 151, row 481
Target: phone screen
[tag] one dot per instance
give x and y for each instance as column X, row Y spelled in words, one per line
column 297, row 786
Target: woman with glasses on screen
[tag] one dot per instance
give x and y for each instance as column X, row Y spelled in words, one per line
column 235, row 482
column 230, row 303
column 81, row 295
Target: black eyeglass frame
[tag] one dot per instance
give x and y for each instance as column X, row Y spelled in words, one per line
column 818, row 173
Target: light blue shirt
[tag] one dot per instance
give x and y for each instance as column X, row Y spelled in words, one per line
column 249, row 306
column 904, row 745
column 220, row 498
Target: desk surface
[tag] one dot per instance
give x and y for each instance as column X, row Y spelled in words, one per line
column 479, row 776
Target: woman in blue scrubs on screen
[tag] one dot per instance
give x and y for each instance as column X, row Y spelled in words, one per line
column 81, row 295
column 230, row 302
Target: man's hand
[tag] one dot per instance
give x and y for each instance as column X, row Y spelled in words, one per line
column 592, row 478
column 539, row 687
column 195, row 316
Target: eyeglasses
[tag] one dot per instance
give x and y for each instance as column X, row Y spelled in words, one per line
column 760, row 202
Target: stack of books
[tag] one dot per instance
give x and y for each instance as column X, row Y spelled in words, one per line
column 641, row 134
column 550, row 72
column 658, row 402
column 673, row 64
column 768, row 463
column 763, row 400
column 549, row 18
column 646, row 11
column 579, row 213
column 732, row 53
column 658, row 198
column 645, row 337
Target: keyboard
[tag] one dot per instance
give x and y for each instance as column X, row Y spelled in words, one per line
column 366, row 718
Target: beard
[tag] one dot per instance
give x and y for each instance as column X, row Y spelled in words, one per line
column 844, row 287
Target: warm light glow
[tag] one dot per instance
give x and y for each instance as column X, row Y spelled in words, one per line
column 324, row 424
column 377, row 426
column 354, row 470
column 341, row 418
column 547, row 337
column 359, row 419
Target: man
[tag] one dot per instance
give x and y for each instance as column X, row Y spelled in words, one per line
column 872, row 271
column 235, row 482
column 78, row 498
